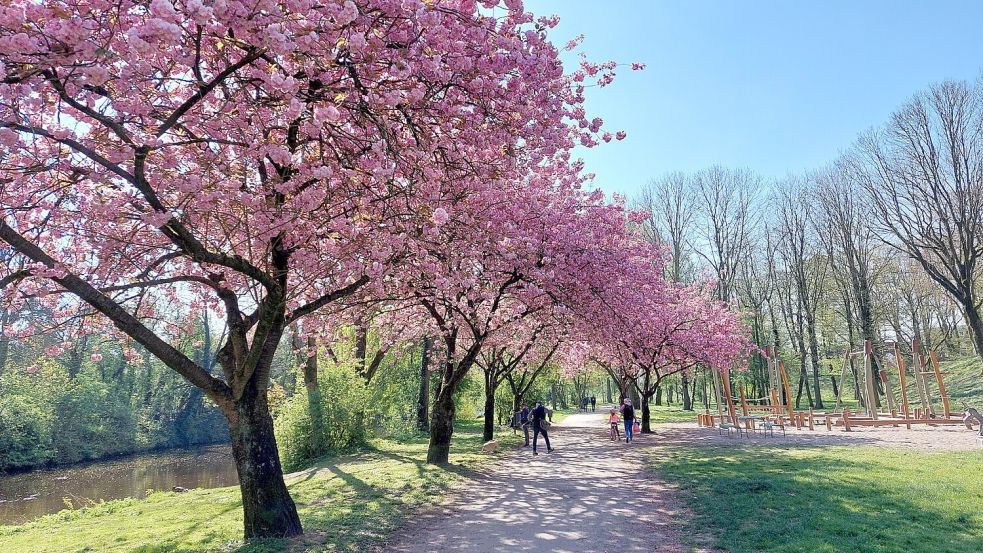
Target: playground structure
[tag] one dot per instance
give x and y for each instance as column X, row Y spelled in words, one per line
column 778, row 410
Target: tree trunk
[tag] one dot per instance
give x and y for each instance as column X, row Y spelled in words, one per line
column 441, row 427
column 687, row 399
column 314, row 406
column 268, row 510
column 361, row 346
column 489, row 419
column 423, row 401
column 975, row 324
column 608, row 382
column 658, row 395
column 814, row 358
column 646, row 415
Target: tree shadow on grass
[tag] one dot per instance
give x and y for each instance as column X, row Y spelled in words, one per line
column 761, row 498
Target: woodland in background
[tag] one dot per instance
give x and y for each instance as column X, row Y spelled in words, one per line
column 884, row 244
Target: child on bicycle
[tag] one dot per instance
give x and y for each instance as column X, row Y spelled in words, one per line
column 615, row 423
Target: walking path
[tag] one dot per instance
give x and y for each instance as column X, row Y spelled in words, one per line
column 592, row 494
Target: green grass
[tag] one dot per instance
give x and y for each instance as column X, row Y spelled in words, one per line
column 662, row 414
column 561, row 413
column 345, row 503
column 830, row 499
column 964, row 383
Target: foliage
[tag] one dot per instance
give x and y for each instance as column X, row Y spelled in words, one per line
column 48, row 417
column 829, row 499
column 345, row 415
column 346, row 503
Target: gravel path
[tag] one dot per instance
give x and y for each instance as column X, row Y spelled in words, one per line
column 592, row 494
column 921, row 437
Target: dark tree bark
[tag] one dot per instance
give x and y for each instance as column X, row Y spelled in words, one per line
column 687, row 399
column 442, row 417
column 423, row 401
column 441, row 428
column 268, row 509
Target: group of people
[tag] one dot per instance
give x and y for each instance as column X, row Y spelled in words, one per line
column 538, row 418
column 627, row 412
column 588, row 403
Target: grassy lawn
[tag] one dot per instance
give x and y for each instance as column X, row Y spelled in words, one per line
column 662, row 414
column 345, row 503
column 831, row 499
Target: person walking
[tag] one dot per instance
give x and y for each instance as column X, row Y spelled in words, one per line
column 593, row 404
column 628, row 415
column 524, row 422
column 540, row 426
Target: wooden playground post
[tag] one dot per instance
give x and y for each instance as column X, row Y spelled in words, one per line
column 888, row 392
column 904, row 385
column 869, row 380
column 811, row 424
column 846, row 367
column 938, row 379
column 788, row 389
column 744, row 409
column 716, row 392
column 846, row 419
column 725, row 377
column 919, row 361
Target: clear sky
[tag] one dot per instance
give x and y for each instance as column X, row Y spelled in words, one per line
column 776, row 86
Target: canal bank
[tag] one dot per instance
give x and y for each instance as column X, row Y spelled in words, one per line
column 25, row 496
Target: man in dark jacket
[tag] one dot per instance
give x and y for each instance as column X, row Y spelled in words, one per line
column 539, row 426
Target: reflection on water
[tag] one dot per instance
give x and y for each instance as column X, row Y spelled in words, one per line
column 26, row 496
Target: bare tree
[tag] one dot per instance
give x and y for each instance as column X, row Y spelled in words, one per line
column 671, row 205
column 726, row 199
column 844, row 224
column 924, row 174
column 807, row 267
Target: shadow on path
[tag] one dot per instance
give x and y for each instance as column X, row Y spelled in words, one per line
column 592, row 494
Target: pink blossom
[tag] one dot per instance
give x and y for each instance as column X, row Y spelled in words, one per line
column 440, row 216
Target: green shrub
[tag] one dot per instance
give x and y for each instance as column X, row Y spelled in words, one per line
column 25, row 433
column 342, row 406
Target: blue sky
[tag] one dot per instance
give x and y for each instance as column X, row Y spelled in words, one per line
column 776, row 86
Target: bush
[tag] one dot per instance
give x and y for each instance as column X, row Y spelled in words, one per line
column 25, row 438
column 344, row 411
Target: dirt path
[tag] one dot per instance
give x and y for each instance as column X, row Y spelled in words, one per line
column 931, row 439
column 592, row 494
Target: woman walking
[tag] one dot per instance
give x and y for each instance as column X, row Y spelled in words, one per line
column 628, row 415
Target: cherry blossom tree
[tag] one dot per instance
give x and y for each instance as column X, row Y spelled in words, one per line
column 264, row 160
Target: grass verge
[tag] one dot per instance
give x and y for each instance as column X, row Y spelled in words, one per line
column 348, row 503
column 831, row 499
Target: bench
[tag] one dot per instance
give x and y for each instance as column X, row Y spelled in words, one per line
column 769, row 426
column 728, row 427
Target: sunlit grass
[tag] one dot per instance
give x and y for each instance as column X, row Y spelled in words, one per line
column 830, row 499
